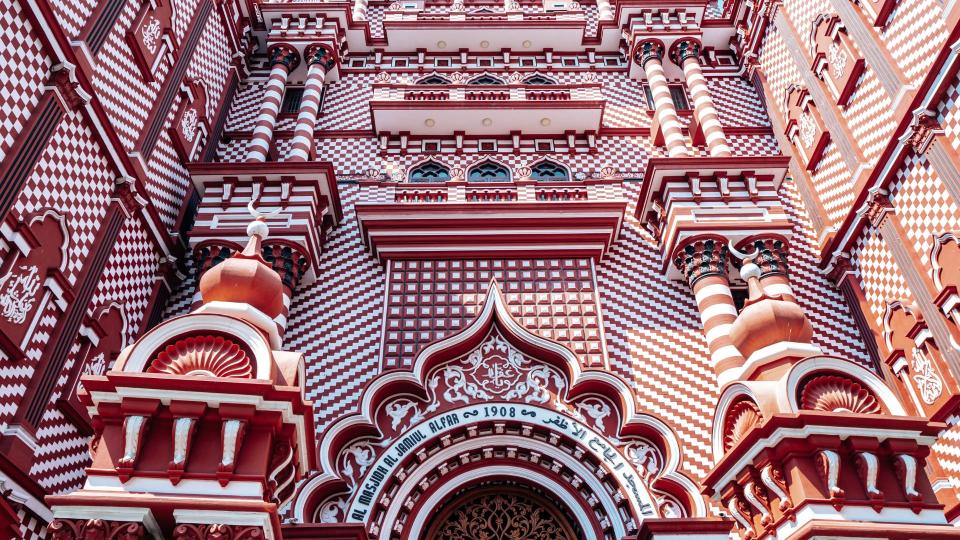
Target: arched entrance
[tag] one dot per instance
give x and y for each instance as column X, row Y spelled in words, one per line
column 502, row 511
column 497, row 405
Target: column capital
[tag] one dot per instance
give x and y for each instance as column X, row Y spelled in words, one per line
column 63, row 80
column 288, row 260
column 877, row 206
column 702, row 257
column 842, row 267
column 125, row 192
column 923, row 129
column 317, row 53
column 685, row 48
column 767, row 252
column 648, row 49
column 282, row 53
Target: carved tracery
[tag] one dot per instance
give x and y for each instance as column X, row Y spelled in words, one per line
column 498, row 514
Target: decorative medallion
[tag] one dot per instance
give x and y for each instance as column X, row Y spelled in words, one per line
column 211, row 356
column 833, row 393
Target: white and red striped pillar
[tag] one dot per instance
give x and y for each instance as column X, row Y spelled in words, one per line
column 319, row 60
column 703, row 262
column 649, row 54
column 686, row 54
column 283, row 59
column 360, row 10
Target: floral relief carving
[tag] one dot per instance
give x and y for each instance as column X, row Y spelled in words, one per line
column 498, row 371
column 645, row 457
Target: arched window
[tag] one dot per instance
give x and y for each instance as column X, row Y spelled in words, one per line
column 433, row 79
column 430, row 171
column 489, row 171
column 486, row 79
column 548, row 170
column 539, row 79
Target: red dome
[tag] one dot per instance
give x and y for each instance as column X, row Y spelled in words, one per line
column 245, row 278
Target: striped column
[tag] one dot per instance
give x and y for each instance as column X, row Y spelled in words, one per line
column 649, row 54
column 604, row 10
column 686, row 54
column 360, row 10
column 282, row 60
column 320, row 60
column 704, row 263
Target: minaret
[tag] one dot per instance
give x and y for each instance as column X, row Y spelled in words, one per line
column 202, row 429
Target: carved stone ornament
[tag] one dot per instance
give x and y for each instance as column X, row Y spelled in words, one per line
column 804, row 126
column 772, row 478
column 741, row 418
column 18, row 293
column 497, row 371
column 833, row 393
column 907, row 468
column 94, row 529
column 868, row 467
column 702, row 258
column 506, row 516
column 217, row 532
column 203, row 355
column 828, row 464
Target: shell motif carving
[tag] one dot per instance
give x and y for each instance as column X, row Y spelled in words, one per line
column 832, row 393
column 212, row 356
column 741, row 418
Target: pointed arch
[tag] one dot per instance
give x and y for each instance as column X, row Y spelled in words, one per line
column 494, row 315
column 489, row 170
column 486, row 79
column 430, row 170
column 434, row 78
column 547, row 170
column 539, row 79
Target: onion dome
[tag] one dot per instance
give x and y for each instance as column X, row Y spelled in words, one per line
column 766, row 320
column 245, row 277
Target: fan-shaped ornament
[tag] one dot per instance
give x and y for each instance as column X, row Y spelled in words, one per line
column 741, row 418
column 210, row 356
column 833, row 393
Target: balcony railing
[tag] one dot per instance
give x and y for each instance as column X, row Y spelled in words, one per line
column 522, row 191
column 479, row 93
column 396, row 14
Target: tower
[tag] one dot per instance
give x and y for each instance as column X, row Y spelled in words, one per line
column 545, row 269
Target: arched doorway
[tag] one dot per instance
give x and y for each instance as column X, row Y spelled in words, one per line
column 502, row 512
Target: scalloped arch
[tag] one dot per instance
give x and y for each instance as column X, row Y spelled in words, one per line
column 495, row 313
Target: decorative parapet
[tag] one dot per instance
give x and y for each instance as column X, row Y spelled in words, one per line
column 526, row 217
column 495, row 109
column 732, row 197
